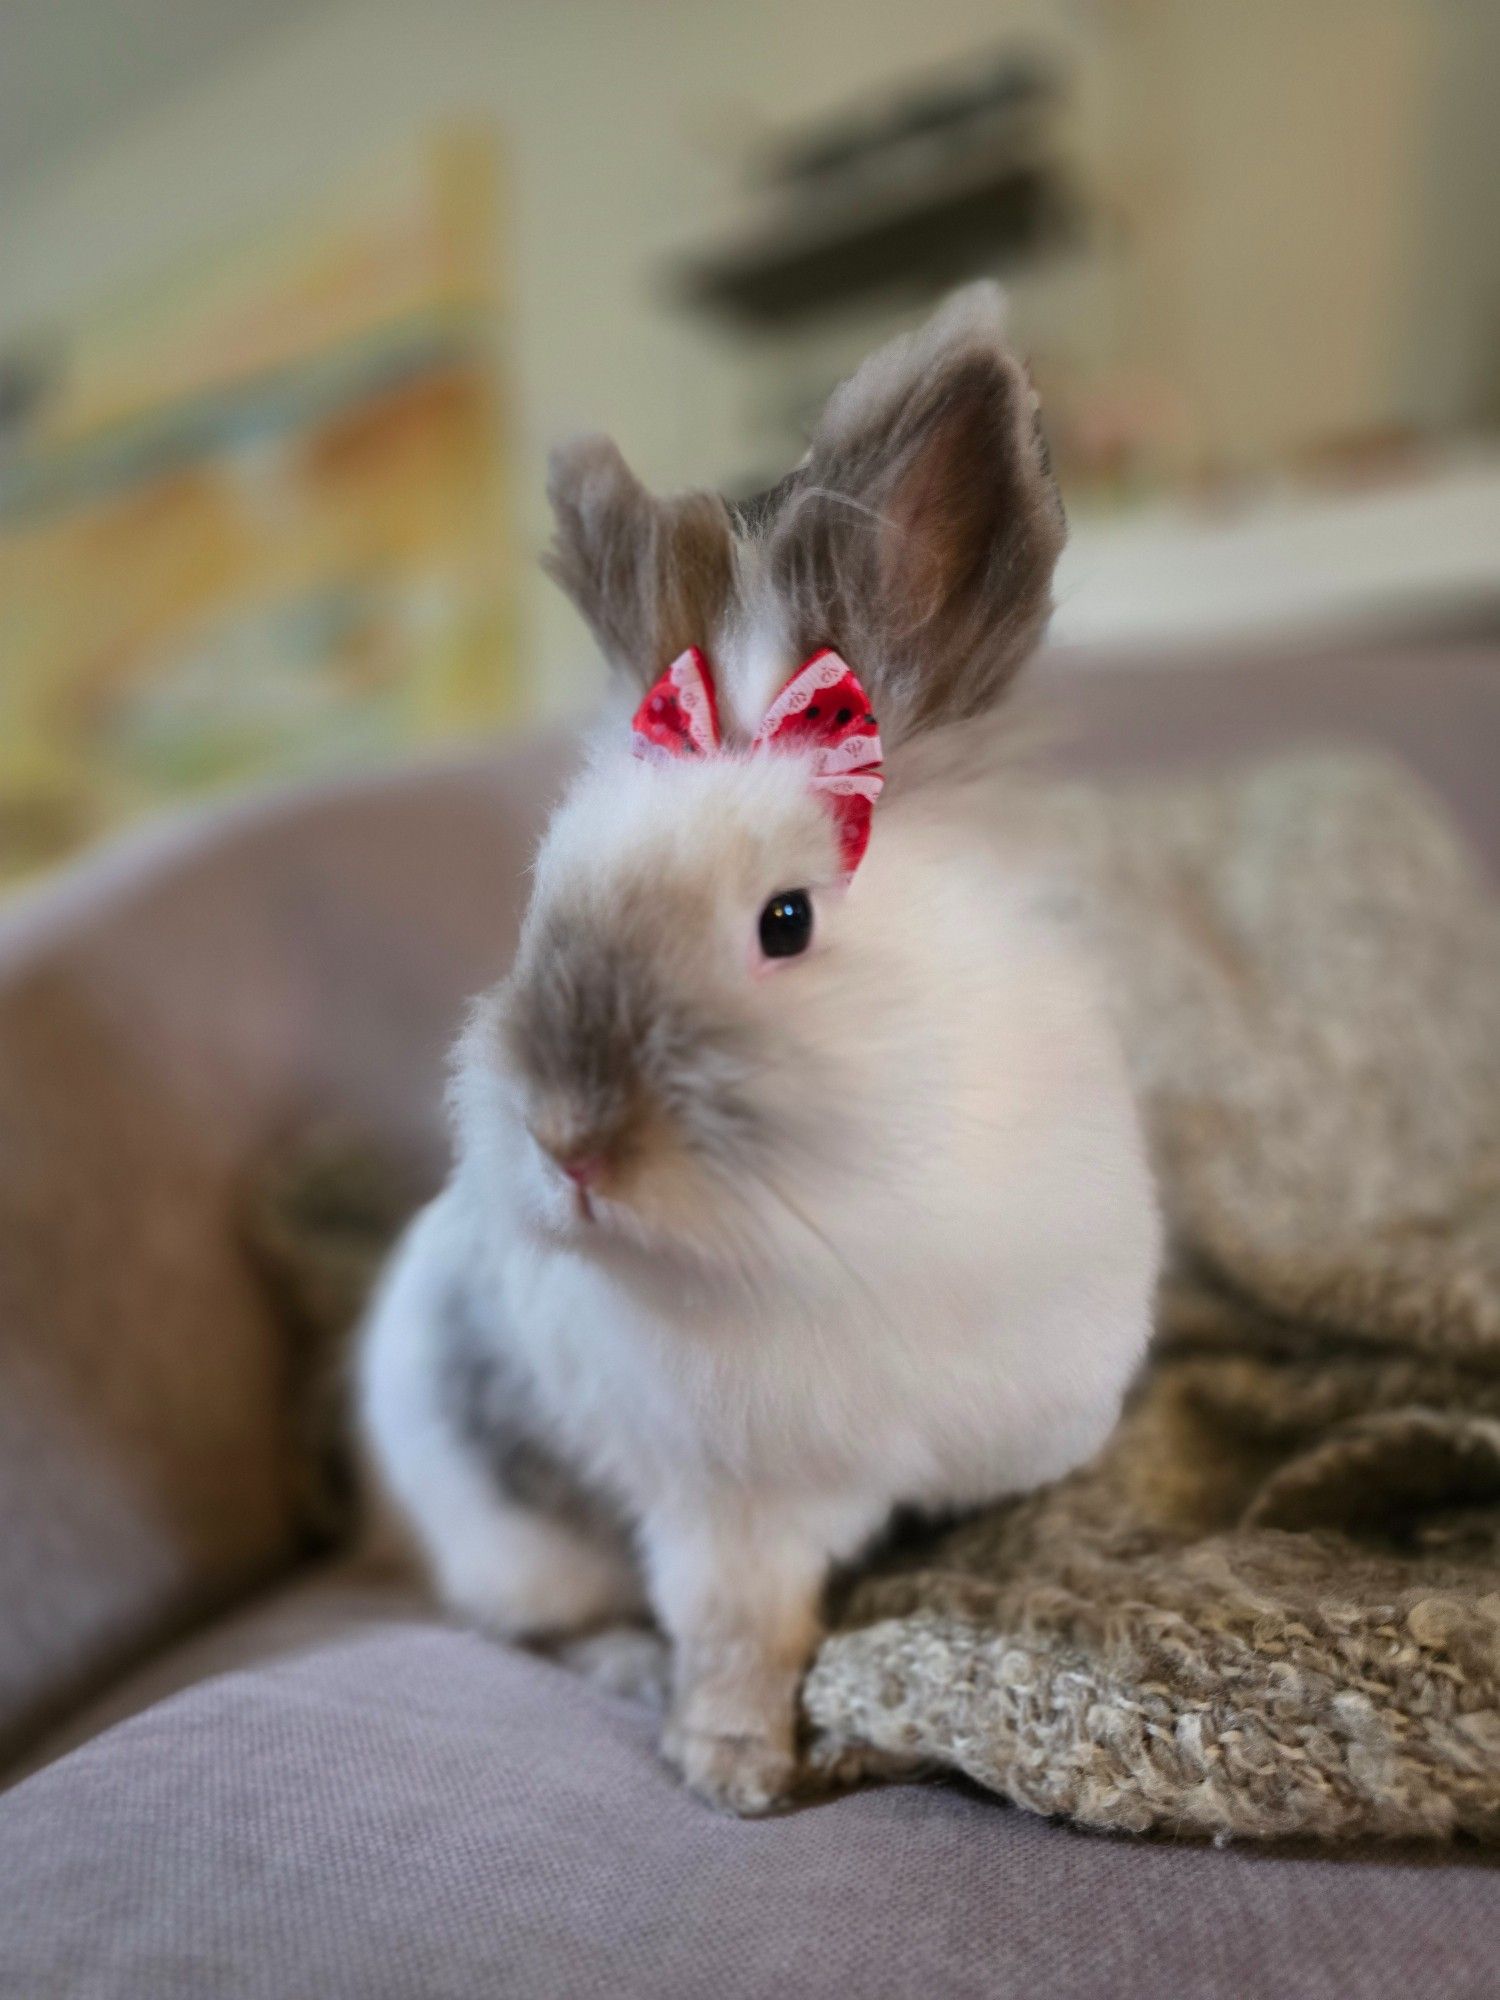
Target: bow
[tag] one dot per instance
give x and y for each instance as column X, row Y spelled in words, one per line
column 822, row 708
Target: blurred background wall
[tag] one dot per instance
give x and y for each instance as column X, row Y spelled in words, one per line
column 1253, row 248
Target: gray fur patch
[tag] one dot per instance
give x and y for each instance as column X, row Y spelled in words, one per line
column 484, row 1398
column 596, row 1024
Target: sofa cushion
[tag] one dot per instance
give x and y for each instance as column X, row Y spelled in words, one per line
column 333, row 1600
column 403, row 1809
column 168, row 1010
column 174, row 1007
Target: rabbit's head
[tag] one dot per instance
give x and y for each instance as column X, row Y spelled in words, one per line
column 717, row 1035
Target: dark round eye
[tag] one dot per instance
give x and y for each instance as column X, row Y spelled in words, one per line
column 786, row 924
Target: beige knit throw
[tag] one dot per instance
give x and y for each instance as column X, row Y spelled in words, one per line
column 1272, row 1606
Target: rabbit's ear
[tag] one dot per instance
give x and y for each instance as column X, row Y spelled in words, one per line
column 651, row 576
column 920, row 534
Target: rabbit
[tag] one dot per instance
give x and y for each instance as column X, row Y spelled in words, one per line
column 798, row 1174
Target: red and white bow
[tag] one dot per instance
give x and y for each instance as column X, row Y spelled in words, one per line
column 822, row 708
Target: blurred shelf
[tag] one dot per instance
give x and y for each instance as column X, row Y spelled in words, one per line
column 973, row 214
column 906, row 196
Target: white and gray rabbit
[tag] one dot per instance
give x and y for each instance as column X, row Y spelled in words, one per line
column 781, row 1199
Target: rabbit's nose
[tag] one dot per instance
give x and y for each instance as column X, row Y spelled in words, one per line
column 580, row 1156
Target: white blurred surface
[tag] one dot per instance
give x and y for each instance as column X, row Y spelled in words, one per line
column 1294, row 565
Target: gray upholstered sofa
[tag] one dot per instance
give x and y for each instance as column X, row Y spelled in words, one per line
column 241, row 1776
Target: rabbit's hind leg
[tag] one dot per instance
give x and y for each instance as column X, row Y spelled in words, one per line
column 523, row 1573
column 511, row 1536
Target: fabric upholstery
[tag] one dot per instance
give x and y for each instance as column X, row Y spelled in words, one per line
column 166, row 1012
column 328, row 1599
column 413, row 1813
column 403, row 1809
column 169, row 1009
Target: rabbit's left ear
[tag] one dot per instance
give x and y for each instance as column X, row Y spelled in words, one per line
column 920, row 534
column 651, row 576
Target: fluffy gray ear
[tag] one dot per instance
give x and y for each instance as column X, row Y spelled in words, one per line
column 650, row 575
column 920, row 534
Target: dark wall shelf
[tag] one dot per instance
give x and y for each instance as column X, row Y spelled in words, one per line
column 825, row 256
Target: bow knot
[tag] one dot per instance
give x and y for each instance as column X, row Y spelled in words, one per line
column 822, row 709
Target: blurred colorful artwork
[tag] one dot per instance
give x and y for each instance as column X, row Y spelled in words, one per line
column 252, row 518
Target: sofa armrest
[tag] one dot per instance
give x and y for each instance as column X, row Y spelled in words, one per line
column 168, row 1014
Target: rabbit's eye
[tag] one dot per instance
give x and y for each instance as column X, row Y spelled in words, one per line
column 786, row 924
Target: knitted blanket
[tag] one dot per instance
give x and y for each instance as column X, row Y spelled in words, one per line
column 1271, row 1607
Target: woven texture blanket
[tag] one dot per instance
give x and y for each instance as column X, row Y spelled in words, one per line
column 1271, row 1607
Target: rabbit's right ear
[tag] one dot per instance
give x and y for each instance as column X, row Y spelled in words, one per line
column 919, row 535
column 651, row 576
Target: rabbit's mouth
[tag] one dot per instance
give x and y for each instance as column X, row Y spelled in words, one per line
column 589, row 1182
column 590, row 1167
column 653, row 1193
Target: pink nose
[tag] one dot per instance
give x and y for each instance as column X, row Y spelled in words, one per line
column 584, row 1170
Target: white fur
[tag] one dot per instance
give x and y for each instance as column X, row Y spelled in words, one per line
column 943, row 1306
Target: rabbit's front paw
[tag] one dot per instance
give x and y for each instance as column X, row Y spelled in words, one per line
column 749, row 1775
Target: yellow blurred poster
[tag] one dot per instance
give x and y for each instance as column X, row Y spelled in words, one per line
column 252, row 517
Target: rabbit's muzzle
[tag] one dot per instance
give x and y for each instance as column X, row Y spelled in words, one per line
column 619, row 1071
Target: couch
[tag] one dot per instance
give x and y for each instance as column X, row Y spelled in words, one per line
column 234, row 1771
